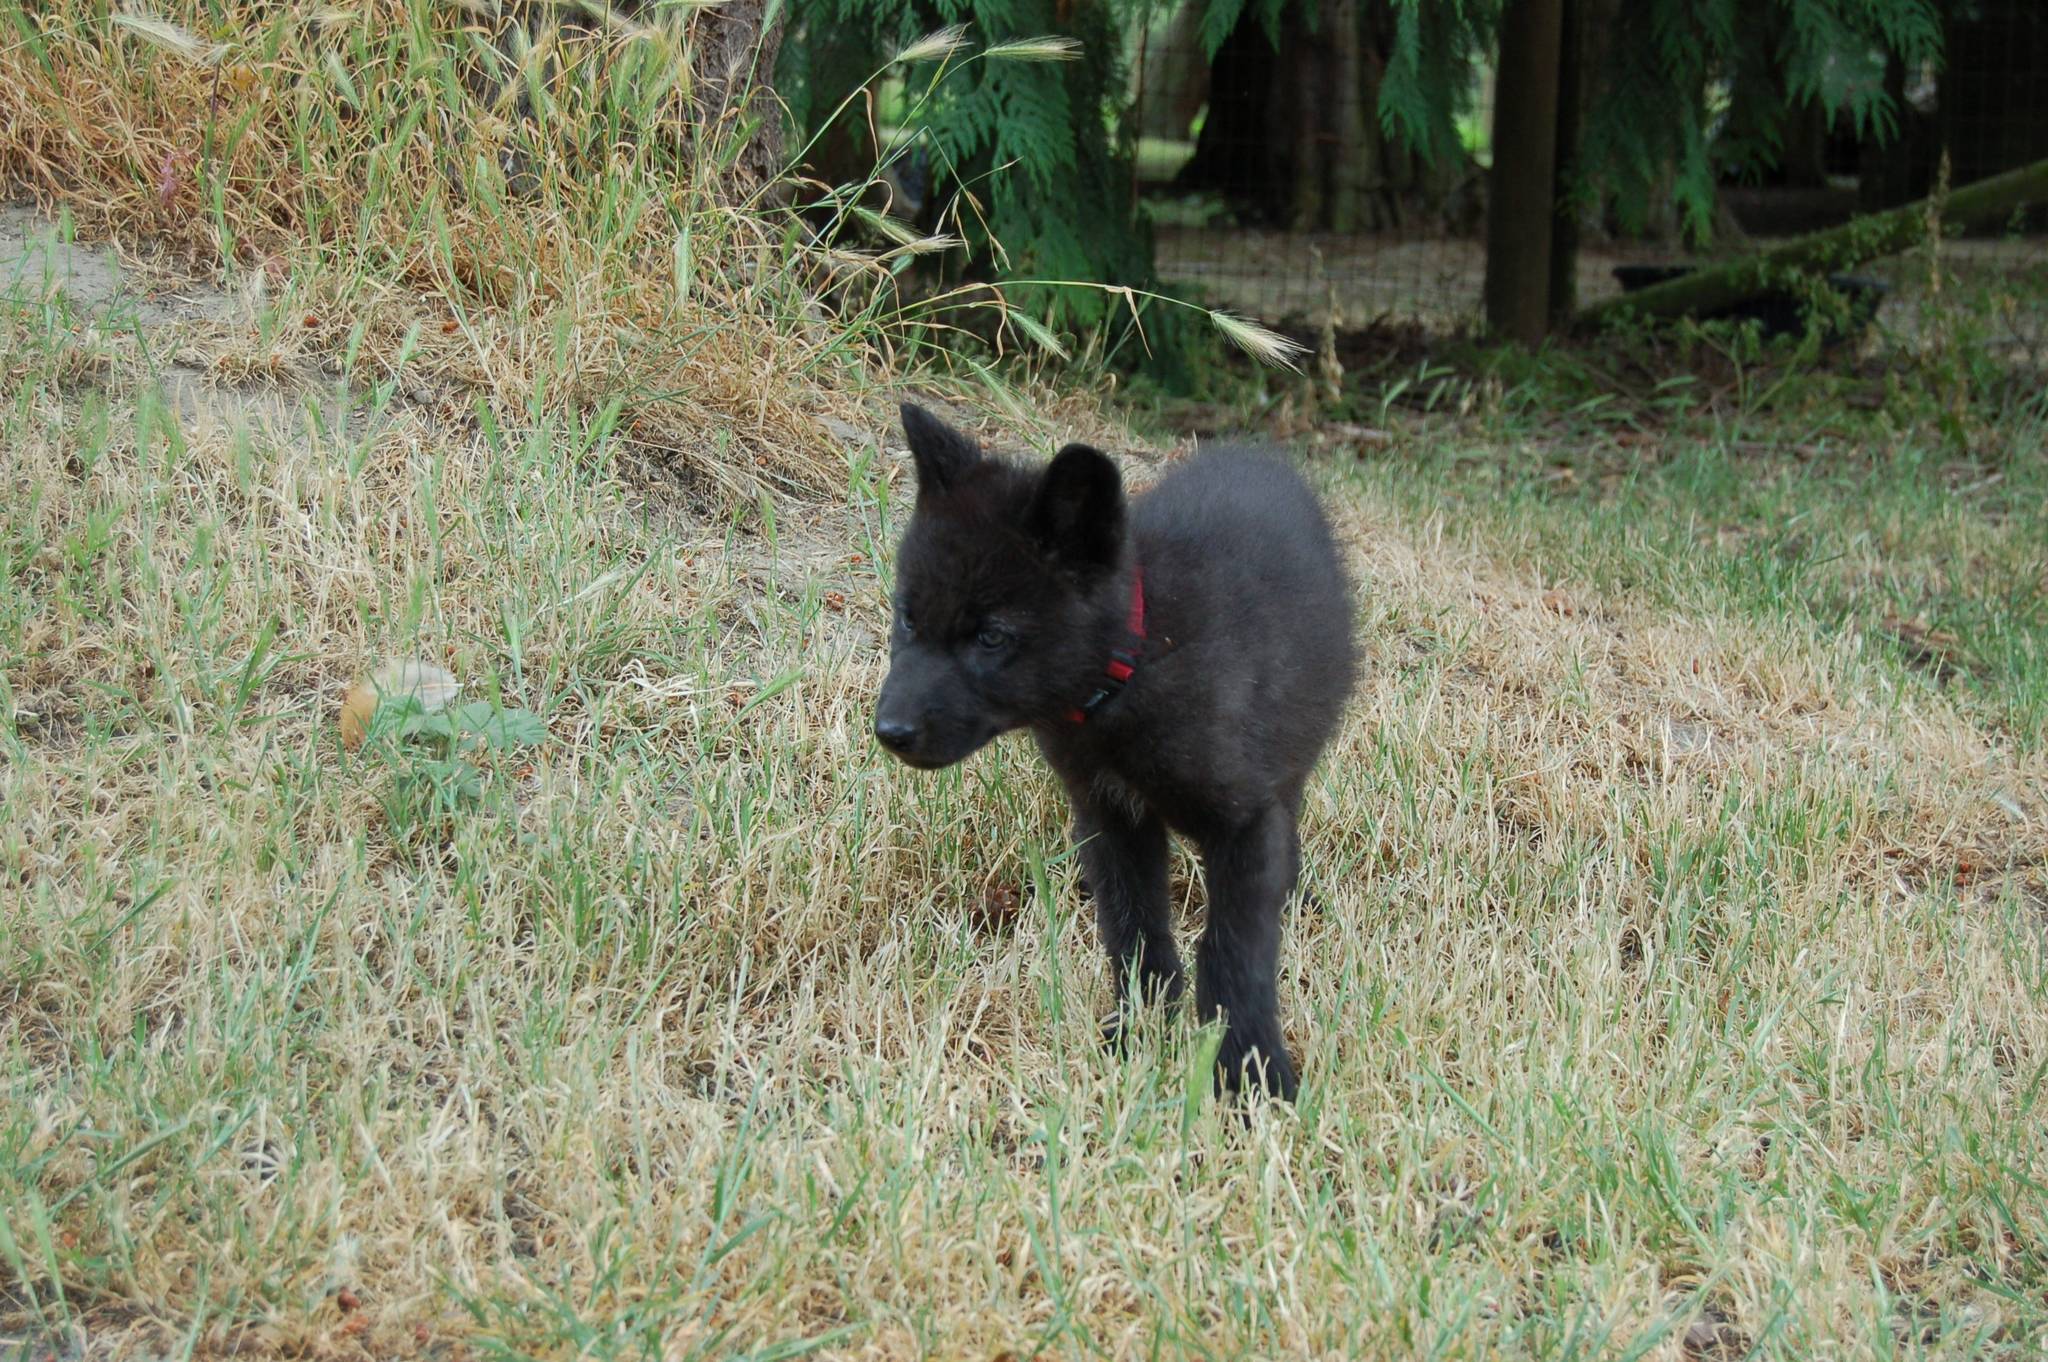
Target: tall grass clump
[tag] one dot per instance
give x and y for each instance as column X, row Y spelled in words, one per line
column 547, row 221
column 545, row 211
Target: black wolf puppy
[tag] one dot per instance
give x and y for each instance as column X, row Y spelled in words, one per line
column 1181, row 660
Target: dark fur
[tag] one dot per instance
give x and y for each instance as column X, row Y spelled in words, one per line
column 1013, row 588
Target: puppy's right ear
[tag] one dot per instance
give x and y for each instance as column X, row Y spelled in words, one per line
column 942, row 453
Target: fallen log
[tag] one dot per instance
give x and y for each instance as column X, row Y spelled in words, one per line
column 1862, row 239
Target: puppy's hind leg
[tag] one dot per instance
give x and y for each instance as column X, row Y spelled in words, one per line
column 1237, row 968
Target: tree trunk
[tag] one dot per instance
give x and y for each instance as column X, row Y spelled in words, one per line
column 1520, row 211
column 1806, row 146
column 1350, row 155
column 1175, row 75
column 1838, row 248
column 1601, row 22
column 1303, row 94
column 1893, row 172
column 1293, row 138
column 1772, row 138
column 1564, row 221
column 1234, row 154
column 732, row 60
column 1994, row 99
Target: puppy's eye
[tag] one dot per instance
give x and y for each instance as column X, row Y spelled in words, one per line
column 993, row 636
column 903, row 620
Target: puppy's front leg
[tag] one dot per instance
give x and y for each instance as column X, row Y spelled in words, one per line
column 1123, row 862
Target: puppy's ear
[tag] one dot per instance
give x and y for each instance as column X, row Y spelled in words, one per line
column 942, row 453
column 1078, row 512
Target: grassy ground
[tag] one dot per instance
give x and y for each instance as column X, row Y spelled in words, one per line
column 1677, row 989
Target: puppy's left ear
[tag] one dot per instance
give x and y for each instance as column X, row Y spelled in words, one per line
column 1078, row 512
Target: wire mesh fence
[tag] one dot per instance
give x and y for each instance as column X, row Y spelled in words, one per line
column 1272, row 190
column 1991, row 105
column 1235, row 168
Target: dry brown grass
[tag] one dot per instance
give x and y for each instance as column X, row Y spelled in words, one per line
column 694, row 1035
column 340, row 160
column 1699, row 715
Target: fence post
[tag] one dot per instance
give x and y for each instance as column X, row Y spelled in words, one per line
column 1521, row 213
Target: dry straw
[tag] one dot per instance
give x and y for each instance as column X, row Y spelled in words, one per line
column 269, row 144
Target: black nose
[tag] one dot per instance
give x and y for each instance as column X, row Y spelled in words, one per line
column 894, row 734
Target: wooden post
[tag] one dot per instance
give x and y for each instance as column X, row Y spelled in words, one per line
column 1564, row 225
column 1520, row 212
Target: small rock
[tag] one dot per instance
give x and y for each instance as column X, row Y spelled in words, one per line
column 845, row 431
column 1687, row 738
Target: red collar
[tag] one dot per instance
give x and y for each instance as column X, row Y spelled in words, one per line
column 1123, row 661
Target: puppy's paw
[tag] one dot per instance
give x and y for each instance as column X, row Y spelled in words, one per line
column 1245, row 1063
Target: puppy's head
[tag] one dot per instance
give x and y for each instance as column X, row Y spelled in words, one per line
column 1005, row 591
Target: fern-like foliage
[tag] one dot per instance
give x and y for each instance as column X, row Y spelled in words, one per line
column 1429, row 75
column 1651, row 120
column 1220, row 17
column 1024, row 153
